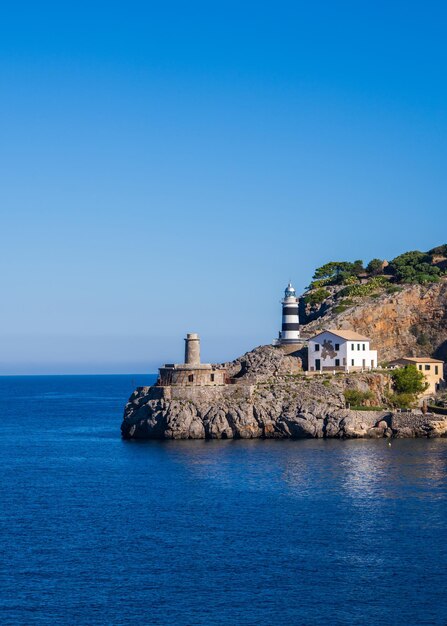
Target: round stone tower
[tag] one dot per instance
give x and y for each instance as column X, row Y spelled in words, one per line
column 192, row 372
column 192, row 349
column 290, row 330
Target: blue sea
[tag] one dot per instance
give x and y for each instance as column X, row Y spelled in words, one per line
column 96, row 530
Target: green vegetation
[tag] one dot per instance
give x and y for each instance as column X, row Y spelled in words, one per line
column 414, row 267
column 401, row 400
column 409, row 379
column 340, row 308
column 366, row 408
column 374, row 267
column 317, row 296
column 393, row 289
column 439, row 250
column 408, row 384
column 422, row 338
column 366, row 289
column 358, row 398
column 336, row 272
column 353, row 280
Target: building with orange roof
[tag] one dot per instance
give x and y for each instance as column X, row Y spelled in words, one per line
column 433, row 370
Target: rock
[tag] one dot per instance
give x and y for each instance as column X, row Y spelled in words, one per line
column 375, row 433
column 273, row 404
column 410, row 322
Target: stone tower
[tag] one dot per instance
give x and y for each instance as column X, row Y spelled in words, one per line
column 192, row 372
column 290, row 329
column 192, row 349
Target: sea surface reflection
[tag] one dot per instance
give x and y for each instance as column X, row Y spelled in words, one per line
column 96, row 530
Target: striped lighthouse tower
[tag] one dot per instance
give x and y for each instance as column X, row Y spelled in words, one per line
column 290, row 330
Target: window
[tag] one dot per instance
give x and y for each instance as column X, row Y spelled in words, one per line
column 337, row 362
column 212, row 378
column 352, row 361
column 317, row 347
column 436, row 370
column 358, row 346
column 420, row 367
column 191, row 378
column 337, row 346
column 427, row 368
column 364, row 347
column 352, row 346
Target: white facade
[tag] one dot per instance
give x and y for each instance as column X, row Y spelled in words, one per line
column 343, row 350
column 290, row 328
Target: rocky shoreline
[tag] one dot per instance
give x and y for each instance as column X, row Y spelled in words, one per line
column 265, row 401
column 155, row 413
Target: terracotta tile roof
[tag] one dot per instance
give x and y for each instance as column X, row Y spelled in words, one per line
column 418, row 359
column 349, row 335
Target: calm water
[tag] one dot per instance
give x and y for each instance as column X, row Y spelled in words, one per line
column 95, row 530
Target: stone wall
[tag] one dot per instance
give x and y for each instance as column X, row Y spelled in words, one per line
column 191, row 377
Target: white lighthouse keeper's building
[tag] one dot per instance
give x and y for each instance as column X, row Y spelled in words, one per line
column 343, row 350
column 290, row 329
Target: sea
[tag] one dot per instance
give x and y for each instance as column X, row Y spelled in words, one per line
column 97, row 530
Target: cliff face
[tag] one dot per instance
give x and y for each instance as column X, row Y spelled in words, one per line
column 410, row 322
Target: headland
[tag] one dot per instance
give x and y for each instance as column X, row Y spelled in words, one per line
column 360, row 354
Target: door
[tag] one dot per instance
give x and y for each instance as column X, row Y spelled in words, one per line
column 318, row 364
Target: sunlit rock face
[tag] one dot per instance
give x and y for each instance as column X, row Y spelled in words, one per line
column 411, row 322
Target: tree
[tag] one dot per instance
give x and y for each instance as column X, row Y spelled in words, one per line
column 337, row 272
column 409, row 380
column 439, row 250
column 414, row 267
column 374, row 267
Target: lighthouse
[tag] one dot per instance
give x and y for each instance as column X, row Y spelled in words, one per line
column 290, row 329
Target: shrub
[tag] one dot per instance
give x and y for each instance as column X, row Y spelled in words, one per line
column 340, row 308
column 367, row 289
column 402, row 400
column 393, row 289
column 439, row 250
column 408, row 380
column 366, row 408
column 350, row 280
column 422, row 340
column 358, row 398
column 317, row 296
column 374, row 267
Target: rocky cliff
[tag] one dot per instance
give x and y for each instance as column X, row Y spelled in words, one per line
column 277, row 404
column 409, row 322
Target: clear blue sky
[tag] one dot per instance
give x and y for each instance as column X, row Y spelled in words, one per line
column 167, row 167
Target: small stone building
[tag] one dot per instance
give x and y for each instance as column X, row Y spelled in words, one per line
column 191, row 372
column 433, row 370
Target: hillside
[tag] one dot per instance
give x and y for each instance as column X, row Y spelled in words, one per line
column 401, row 305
